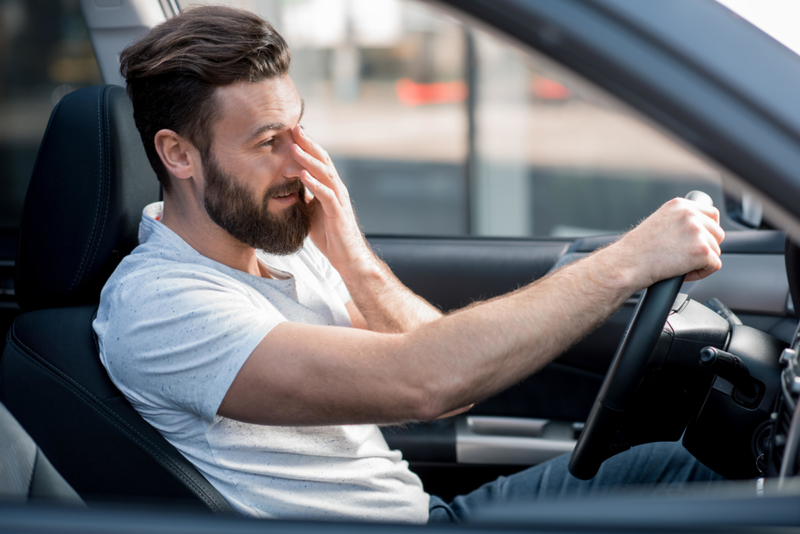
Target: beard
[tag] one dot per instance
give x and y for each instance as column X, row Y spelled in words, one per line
column 237, row 211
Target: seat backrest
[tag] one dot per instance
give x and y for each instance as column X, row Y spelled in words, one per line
column 84, row 202
column 89, row 186
column 26, row 475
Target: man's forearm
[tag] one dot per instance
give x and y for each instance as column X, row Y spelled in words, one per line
column 492, row 345
column 386, row 304
column 351, row 376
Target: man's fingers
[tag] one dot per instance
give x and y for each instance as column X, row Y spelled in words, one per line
column 712, row 224
column 318, row 163
column 708, row 254
column 711, row 262
column 715, row 229
column 456, row 412
column 324, row 195
column 702, row 273
column 710, row 216
column 715, row 248
column 309, row 145
column 315, row 167
column 321, row 170
column 709, row 211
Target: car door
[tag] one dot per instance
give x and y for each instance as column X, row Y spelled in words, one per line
column 542, row 416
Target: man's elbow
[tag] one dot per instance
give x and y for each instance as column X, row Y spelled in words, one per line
column 427, row 411
column 427, row 389
column 427, row 402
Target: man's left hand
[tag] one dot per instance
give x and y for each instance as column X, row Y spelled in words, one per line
column 334, row 228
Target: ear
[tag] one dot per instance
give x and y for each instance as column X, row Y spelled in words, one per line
column 177, row 154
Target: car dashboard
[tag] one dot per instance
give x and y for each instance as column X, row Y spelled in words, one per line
column 784, row 434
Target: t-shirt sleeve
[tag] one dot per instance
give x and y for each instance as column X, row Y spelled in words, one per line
column 178, row 339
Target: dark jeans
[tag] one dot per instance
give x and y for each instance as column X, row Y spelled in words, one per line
column 661, row 468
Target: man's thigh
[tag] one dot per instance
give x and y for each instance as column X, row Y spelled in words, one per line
column 656, row 468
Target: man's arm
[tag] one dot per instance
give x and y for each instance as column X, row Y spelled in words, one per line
column 381, row 303
column 314, row 375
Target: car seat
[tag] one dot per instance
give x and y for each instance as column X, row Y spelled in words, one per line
column 26, row 475
column 89, row 185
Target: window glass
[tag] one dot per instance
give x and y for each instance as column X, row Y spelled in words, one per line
column 45, row 53
column 438, row 128
column 555, row 157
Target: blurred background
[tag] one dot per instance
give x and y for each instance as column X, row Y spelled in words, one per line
column 45, row 53
column 437, row 127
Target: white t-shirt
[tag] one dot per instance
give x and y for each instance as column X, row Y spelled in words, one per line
column 175, row 327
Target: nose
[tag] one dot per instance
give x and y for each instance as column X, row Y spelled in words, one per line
column 290, row 167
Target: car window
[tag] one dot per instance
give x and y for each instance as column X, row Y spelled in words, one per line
column 555, row 157
column 45, row 53
column 438, row 128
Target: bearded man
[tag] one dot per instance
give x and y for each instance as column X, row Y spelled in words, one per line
column 256, row 330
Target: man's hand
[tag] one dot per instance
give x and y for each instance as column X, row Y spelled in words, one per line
column 681, row 237
column 334, row 228
column 382, row 303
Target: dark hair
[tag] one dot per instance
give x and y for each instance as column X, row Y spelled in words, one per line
column 173, row 70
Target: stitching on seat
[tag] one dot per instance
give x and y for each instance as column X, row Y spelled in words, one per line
column 78, row 274
column 33, row 472
column 165, row 460
column 105, row 183
column 59, row 375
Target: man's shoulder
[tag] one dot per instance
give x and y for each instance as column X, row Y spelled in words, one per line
column 148, row 269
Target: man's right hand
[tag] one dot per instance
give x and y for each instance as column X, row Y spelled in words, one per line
column 682, row 237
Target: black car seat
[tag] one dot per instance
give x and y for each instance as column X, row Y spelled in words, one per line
column 26, row 475
column 90, row 183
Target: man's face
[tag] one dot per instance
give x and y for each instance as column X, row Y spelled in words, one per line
column 252, row 186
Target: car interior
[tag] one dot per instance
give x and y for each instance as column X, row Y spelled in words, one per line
column 712, row 363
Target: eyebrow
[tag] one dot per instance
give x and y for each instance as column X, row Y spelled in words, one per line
column 275, row 126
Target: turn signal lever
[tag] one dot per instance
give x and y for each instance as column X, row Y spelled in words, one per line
column 729, row 367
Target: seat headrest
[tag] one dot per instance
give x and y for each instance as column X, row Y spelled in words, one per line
column 89, row 185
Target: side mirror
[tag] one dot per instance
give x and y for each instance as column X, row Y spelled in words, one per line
column 744, row 210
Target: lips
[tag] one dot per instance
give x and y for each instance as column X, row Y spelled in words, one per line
column 287, row 190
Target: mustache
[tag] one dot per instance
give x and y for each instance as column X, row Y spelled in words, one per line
column 280, row 190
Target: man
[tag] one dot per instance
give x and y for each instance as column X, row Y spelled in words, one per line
column 268, row 358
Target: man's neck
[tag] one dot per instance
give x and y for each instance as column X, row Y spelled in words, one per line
column 194, row 226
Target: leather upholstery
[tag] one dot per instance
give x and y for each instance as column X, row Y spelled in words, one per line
column 25, row 473
column 85, row 199
column 89, row 186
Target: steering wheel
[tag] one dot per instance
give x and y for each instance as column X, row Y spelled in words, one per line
column 598, row 441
